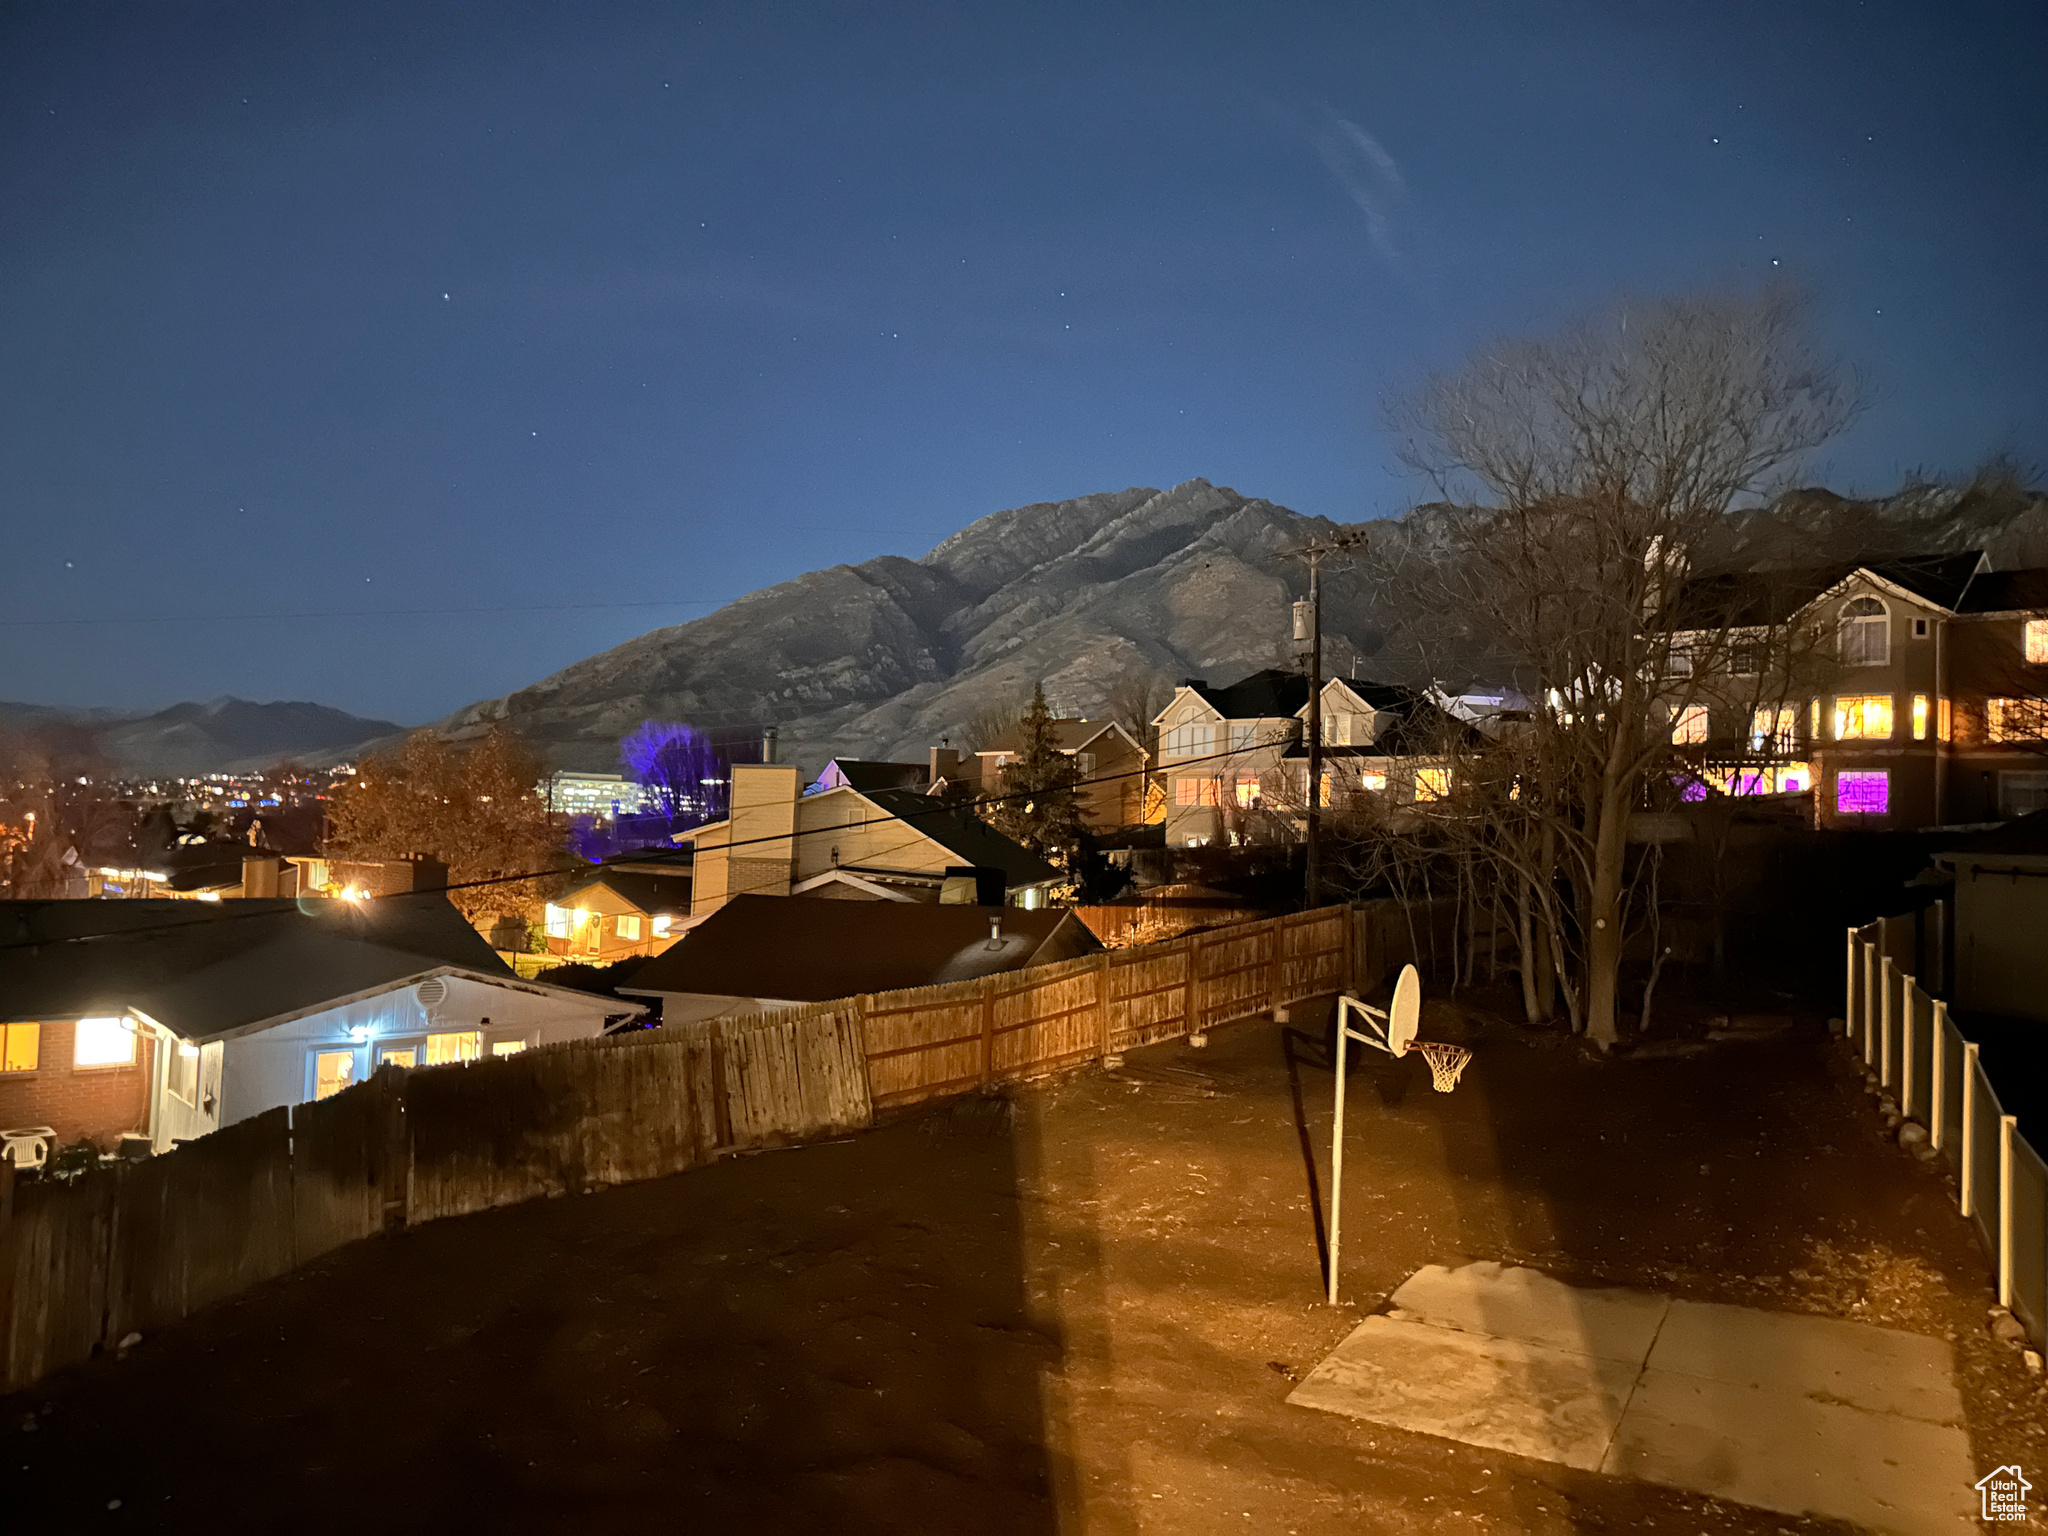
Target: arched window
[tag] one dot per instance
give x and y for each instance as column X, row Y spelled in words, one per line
column 1866, row 633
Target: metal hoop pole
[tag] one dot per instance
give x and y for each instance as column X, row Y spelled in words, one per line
column 1337, row 1145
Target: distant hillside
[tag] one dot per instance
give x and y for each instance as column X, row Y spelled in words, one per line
column 218, row 736
column 886, row 657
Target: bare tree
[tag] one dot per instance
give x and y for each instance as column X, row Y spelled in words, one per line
column 1592, row 462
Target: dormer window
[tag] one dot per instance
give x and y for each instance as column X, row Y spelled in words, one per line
column 1866, row 633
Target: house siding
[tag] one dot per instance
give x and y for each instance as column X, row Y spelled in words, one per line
column 96, row 1103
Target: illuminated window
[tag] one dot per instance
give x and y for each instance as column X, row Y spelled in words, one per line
column 1919, row 717
column 629, row 925
column 1774, row 730
column 507, row 1047
column 1376, row 782
column 1944, row 719
column 2037, row 641
column 1196, row 792
column 183, row 1072
column 1863, row 717
column 399, row 1056
column 1248, row 790
column 661, row 926
column 1866, row 633
column 1690, row 727
column 1795, row 778
column 332, row 1072
column 1866, row 793
column 558, row 921
column 103, row 1043
column 1432, row 783
column 19, row 1046
column 1813, row 721
column 2016, row 719
column 458, row 1045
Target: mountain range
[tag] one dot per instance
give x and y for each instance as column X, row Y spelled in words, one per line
column 891, row 656
column 224, row 735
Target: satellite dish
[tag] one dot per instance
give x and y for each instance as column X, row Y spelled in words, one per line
column 433, row 992
column 1406, row 1011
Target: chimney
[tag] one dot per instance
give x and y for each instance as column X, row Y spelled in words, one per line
column 259, row 874
column 768, row 735
column 945, row 764
column 427, row 872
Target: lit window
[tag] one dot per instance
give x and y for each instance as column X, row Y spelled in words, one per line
column 2016, row 719
column 1944, row 719
column 458, row 1045
column 332, row 1072
column 2037, row 641
column 1689, row 729
column 1863, row 717
column 103, row 1043
column 1376, row 782
column 507, row 1047
column 1813, row 722
column 661, row 926
column 1919, row 717
column 399, row 1056
column 1794, row 779
column 1774, row 730
column 1248, row 791
column 578, row 918
column 19, row 1046
column 1195, row 792
column 629, row 925
column 183, row 1072
column 1866, row 793
column 1432, row 783
column 1866, row 633
column 558, row 921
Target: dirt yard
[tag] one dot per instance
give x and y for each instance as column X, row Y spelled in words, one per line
column 1078, row 1309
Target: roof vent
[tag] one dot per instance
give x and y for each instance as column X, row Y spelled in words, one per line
column 431, row 994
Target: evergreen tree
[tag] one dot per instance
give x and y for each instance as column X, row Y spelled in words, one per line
column 1039, row 806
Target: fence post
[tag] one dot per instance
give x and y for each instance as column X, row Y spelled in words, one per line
column 988, row 1030
column 1969, row 1180
column 1849, row 992
column 1937, row 1076
column 1884, row 1019
column 1102, row 1001
column 1939, row 963
column 1869, row 1001
column 1909, row 1008
column 2006, row 1123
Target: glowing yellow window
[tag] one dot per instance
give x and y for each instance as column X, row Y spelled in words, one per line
column 457, row 1045
column 1944, row 720
column 400, row 1056
column 629, row 925
column 507, row 1047
column 1863, row 717
column 1248, row 790
column 2037, row 641
column 103, row 1043
column 20, row 1044
column 332, row 1072
column 1376, row 782
column 1813, row 722
column 1432, row 783
column 1771, row 730
column 1919, row 717
column 1689, row 728
column 2016, row 719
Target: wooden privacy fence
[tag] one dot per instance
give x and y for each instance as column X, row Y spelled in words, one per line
column 84, row 1264
column 1913, row 1053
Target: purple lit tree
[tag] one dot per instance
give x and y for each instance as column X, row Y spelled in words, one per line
column 685, row 777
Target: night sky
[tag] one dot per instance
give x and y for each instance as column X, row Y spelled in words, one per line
column 396, row 356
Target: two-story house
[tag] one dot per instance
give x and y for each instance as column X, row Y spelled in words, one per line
column 1923, row 700
column 1234, row 755
column 1111, row 764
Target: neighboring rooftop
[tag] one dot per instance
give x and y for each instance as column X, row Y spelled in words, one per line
column 807, row 949
column 1269, row 695
column 207, row 969
column 864, row 775
column 966, row 836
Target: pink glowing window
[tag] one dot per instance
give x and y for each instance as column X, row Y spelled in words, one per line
column 1863, row 794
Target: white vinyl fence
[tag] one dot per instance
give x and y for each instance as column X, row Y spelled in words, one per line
column 1917, row 1059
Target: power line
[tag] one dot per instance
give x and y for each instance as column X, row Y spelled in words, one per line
column 361, row 613
column 940, row 808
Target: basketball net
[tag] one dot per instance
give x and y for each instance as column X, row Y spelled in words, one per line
column 1445, row 1062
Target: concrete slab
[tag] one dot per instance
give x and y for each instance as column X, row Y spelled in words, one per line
column 1501, row 1393
column 1881, row 1370
column 1510, row 1302
column 1798, row 1453
column 1798, row 1414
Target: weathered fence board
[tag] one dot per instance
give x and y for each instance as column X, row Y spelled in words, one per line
column 1984, row 1158
column 2029, row 1237
column 209, row 1222
column 57, row 1259
column 339, row 1149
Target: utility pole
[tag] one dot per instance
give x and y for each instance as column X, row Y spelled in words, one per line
column 1309, row 627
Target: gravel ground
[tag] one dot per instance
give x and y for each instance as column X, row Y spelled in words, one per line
column 1076, row 1308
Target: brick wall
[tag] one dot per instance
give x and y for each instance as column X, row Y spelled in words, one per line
column 97, row 1102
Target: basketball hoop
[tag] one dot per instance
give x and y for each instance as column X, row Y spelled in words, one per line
column 1445, row 1062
